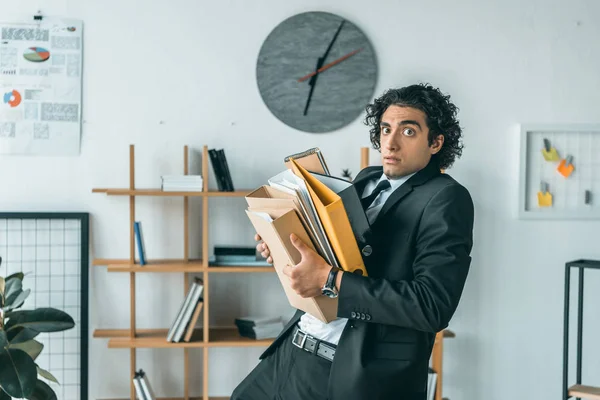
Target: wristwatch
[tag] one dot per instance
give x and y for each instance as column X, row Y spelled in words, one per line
column 329, row 288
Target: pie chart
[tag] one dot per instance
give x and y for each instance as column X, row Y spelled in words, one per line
column 36, row 54
column 13, row 98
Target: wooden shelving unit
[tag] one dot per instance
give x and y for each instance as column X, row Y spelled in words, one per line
column 205, row 337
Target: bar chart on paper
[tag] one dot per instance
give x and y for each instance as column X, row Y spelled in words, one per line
column 50, row 249
column 560, row 172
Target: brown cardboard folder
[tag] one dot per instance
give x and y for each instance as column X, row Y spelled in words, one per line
column 335, row 221
column 267, row 198
column 276, row 234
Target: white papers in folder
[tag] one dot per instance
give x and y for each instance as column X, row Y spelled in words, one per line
column 288, row 182
column 263, row 215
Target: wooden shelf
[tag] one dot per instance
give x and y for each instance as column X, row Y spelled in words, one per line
column 159, row 192
column 229, row 337
column 173, row 265
column 152, row 338
column 240, row 269
column 159, row 266
column 156, row 338
column 585, row 392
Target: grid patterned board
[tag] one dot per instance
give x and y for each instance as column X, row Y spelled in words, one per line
column 568, row 194
column 51, row 249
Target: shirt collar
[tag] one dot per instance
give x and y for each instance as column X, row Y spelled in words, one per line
column 395, row 183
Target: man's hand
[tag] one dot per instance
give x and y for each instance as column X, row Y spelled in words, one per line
column 264, row 250
column 310, row 274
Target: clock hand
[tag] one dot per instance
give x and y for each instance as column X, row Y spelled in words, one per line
column 331, row 64
column 311, row 83
column 320, row 61
column 331, row 43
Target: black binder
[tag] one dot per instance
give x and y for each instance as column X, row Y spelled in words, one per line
column 351, row 200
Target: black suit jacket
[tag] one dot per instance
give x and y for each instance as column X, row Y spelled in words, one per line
column 421, row 243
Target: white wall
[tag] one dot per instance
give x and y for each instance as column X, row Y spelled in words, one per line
column 191, row 65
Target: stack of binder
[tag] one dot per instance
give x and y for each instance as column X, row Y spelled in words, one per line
column 259, row 327
column 181, row 183
column 227, row 256
column 185, row 322
column 325, row 212
column 221, row 170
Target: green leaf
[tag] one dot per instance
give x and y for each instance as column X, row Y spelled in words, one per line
column 42, row 392
column 12, row 286
column 21, row 334
column 18, row 374
column 4, row 396
column 41, row 320
column 17, row 275
column 16, row 301
column 31, row 347
column 46, row 374
column 3, row 339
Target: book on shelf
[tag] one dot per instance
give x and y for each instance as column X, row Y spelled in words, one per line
column 236, row 251
column 221, row 170
column 431, row 384
column 181, row 183
column 259, row 328
column 185, row 321
column 237, row 262
column 142, row 386
column 139, row 238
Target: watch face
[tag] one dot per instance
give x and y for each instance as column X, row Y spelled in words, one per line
column 316, row 72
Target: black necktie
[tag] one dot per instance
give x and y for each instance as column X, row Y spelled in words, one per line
column 383, row 185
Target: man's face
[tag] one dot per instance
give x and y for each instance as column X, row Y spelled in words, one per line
column 404, row 141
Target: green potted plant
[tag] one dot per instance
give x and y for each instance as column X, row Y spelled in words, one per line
column 18, row 347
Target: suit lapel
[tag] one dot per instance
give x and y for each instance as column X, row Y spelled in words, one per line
column 362, row 179
column 417, row 179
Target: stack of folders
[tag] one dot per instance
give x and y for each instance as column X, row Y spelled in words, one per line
column 142, row 386
column 181, row 183
column 431, row 384
column 185, row 322
column 324, row 211
column 259, row 327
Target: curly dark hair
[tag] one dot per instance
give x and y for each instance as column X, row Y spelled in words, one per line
column 440, row 118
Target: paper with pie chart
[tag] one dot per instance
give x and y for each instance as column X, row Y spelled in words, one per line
column 40, row 86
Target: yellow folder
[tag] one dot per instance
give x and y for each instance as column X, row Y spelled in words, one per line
column 335, row 221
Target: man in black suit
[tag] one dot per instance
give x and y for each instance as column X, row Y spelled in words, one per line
column 417, row 257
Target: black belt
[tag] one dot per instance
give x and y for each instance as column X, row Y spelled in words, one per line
column 304, row 341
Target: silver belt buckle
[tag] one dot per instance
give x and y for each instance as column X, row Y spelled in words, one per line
column 301, row 344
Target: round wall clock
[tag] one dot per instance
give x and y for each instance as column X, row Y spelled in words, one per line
column 316, row 72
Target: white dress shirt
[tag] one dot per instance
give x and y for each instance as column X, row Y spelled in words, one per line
column 332, row 331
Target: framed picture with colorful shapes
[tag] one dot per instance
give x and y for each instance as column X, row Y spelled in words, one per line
column 560, row 172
